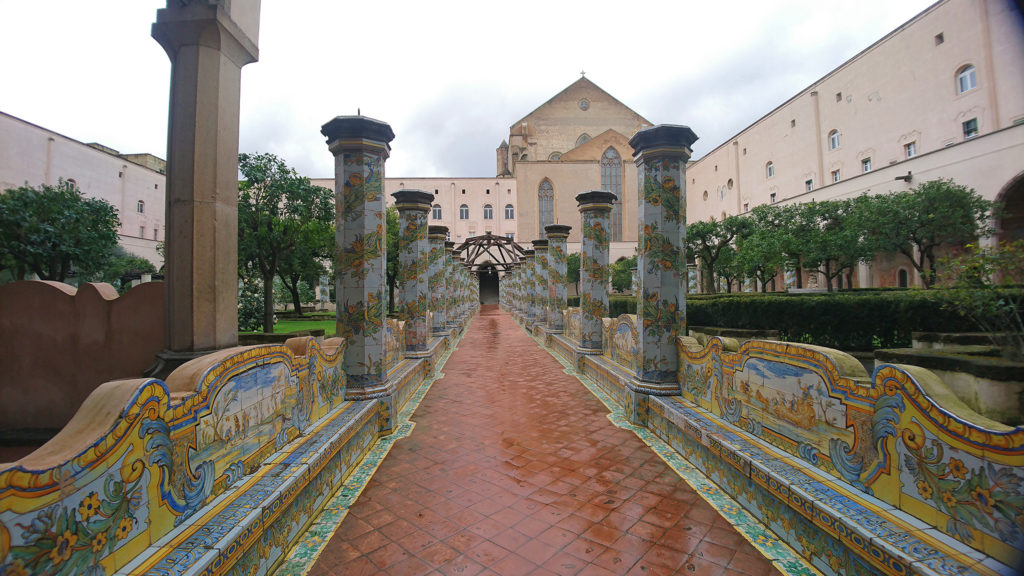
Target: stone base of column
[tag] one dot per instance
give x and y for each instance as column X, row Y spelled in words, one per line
column 168, row 361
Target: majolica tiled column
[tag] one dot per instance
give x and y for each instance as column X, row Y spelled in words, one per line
column 449, row 280
column 436, row 236
column 360, row 147
column 595, row 215
column 660, row 153
column 414, row 259
column 540, row 263
column 529, row 286
column 557, row 235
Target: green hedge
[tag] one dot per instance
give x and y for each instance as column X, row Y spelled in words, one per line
column 855, row 320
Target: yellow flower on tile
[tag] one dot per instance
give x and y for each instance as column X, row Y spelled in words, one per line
column 948, row 500
column 99, row 542
column 89, row 507
column 62, row 548
column 124, row 528
column 924, row 489
column 957, row 468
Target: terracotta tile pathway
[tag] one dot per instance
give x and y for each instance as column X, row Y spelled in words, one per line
column 514, row 468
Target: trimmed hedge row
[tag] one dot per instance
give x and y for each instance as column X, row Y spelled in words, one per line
column 858, row 320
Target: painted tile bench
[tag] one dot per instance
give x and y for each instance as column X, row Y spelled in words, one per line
column 880, row 474
column 215, row 471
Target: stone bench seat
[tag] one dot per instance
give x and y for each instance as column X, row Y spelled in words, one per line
column 250, row 525
column 800, row 503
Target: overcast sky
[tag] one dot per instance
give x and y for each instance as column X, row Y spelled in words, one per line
column 450, row 77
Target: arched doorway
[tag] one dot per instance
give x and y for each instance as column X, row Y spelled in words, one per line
column 488, row 275
column 1011, row 219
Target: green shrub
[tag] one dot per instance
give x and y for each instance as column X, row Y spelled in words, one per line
column 853, row 320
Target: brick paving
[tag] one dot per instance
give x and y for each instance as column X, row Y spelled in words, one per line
column 514, row 468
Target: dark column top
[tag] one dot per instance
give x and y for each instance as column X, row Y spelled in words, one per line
column 662, row 136
column 596, row 197
column 357, row 128
column 416, row 199
column 557, row 230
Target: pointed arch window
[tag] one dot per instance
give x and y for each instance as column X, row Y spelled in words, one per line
column 545, row 204
column 436, row 212
column 611, row 181
column 582, row 139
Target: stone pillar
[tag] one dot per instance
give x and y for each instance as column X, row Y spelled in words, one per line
column 436, row 236
column 595, row 215
column 413, row 207
column 660, row 153
column 360, row 148
column 540, row 265
column 208, row 43
column 557, row 235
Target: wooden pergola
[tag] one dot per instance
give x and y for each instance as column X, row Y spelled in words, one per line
column 491, row 251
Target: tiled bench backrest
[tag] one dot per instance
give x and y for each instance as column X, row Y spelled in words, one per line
column 898, row 435
column 394, row 342
column 141, row 456
column 621, row 342
column 572, row 325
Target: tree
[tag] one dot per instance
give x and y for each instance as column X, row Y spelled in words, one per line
column 759, row 252
column 799, row 228
column 301, row 268
column 54, row 230
column 572, row 270
column 841, row 241
column 622, row 273
column 986, row 287
column 706, row 240
column 916, row 222
column 123, row 264
column 276, row 207
column 393, row 227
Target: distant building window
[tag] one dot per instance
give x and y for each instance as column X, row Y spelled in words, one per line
column 140, row 207
column 839, row 96
column 435, row 212
column 155, row 231
column 611, row 181
column 833, row 140
column 488, row 212
column 792, row 123
column 746, row 207
column 546, row 204
column 772, row 196
column 910, row 149
column 510, row 235
column 583, row 139
column 809, row 185
column 705, row 195
column 966, row 79
column 555, row 156
column 865, row 165
column 971, row 128
column 835, row 176
column 904, row 278
column 940, row 38
column 463, row 212
column 142, row 231
column 769, row 170
column 510, row 212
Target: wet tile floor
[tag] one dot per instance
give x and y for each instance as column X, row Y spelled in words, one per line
column 514, row 467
